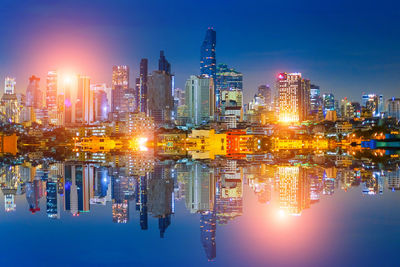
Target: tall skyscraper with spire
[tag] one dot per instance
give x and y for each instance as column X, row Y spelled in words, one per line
column 207, row 54
column 163, row 64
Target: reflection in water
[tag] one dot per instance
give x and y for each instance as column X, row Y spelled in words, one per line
column 211, row 189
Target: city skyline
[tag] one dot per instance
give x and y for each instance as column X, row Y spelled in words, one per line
column 94, row 42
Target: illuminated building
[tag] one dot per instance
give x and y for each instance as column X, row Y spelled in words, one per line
column 373, row 103
column 120, row 77
column 266, row 92
column 160, row 102
column 51, row 91
column 294, row 97
column 119, row 189
column 141, row 201
column 294, row 189
column 393, row 108
column 205, row 144
column 207, row 54
column 33, row 94
column 51, row 200
column 315, row 98
column 10, row 108
column 346, row 109
column 120, row 83
column 100, row 102
column 328, row 101
column 163, row 64
column 33, row 195
column 9, row 202
column 67, row 102
column 227, row 79
column 180, row 96
column 208, row 228
column 200, row 99
column 9, row 85
column 84, row 106
column 231, row 98
column 142, row 93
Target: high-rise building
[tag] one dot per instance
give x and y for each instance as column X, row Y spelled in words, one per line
column 200, row 99
column 120, row 83
column 226, row 79
column 51, row 199
column 143, row 85
column 393, row 108
column 315, row 98
column 266, row 92
column 208, row 61
column 373, row 103
column 51, row 90
column 160, row 101
column 120, row 77
column 163, row 64
column 9, row 85
column 100, row 105
column 294, row 97
column 84, row 106
column 33, row 93
column 328, row 101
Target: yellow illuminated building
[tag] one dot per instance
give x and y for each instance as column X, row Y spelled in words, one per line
column 206, row 144
column 96, row 144
column 283, row 144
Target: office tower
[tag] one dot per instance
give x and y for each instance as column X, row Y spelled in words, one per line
column 346, row 109
column 142, row 203
column 163, row 64
column 33, row 93
column 266, row 92
column 200, row 99
column 180, row 96
column 294, row 97
column 10, row 108
column 143, row 85
column 373, row 103
column 51, row 90
column 207, row 54
column 120, row 77
column 226, row 79
column 231, row 98
column 9, row 85
column 393, row 108
column 328, row 101
column 160, row 102
column 208, row 228
column 315, row 98
column 68, row 107
column 100, row 105
column 84, row 106
column 120, row 83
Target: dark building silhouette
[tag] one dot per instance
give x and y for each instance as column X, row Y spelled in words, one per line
column 163, row 64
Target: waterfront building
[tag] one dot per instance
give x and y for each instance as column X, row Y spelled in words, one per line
column 294, row 97
column 200, row 99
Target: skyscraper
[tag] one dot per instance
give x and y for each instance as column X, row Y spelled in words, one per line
column 160, row 101
column 226, row 79
column 100, row 105
column 208, row 61
column 33, row 93
column 9, row 85
column 393, row 108
column 266, row 92
column 374, row 103
column 84, row 106
column 51, row 90
column 315, row 98
column 200, row 99
column 143, row 85
column 120, row 77
column 163, row 64
column 328, row 101
column 294, row 97
column 120, row 83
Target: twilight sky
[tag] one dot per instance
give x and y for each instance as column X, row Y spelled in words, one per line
column 346, row 47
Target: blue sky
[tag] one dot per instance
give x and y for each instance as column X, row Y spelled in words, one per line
column 345, row 47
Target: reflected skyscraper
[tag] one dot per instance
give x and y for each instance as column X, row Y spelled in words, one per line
column 51, row 200
column 208, row 63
